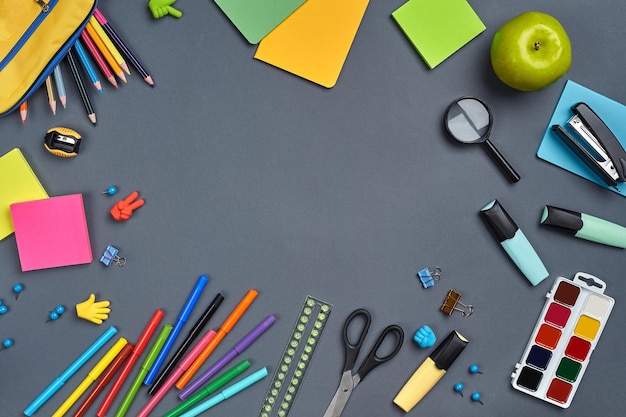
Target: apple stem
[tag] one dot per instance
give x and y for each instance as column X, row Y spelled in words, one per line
column 537, row 46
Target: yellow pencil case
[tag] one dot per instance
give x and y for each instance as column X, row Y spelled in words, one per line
column 34, row 36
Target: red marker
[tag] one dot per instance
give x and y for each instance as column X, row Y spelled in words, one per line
column 141, row 344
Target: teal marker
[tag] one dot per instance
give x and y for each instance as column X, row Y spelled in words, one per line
column 209, row 389
column 228, row 392
column 143, row 371
column 514, row 242
column 584, row 226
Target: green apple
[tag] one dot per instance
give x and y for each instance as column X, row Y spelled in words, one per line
column 531, row 51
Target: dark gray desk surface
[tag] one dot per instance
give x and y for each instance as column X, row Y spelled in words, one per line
column 264, row 180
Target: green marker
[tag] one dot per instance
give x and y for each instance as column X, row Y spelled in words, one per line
column 143, row 371
column 208, row 389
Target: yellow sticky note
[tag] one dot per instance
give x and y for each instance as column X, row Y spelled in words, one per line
column 314, row 41
column 18, row 183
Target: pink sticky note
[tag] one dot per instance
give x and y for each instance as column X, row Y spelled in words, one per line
column 51, row 232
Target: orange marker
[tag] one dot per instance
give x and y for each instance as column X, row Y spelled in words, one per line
column 228, row 324
column 105, row 52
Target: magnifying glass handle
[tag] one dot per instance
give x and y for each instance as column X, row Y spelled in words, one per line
column 504, row 165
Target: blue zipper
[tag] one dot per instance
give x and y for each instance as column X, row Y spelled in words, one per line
column 45, row 9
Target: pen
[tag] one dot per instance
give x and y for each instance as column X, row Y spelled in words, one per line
column 209, row 389
column 91, row 377
column 193, row 334
column 143, row 370
column 222, row 332
column 224, row 360
column 104, row 380
column 228, row 392
column 134, row 355
column 71, row 370
column 158, row 396
column 180, row 322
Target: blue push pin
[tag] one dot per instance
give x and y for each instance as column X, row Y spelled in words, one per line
column 3, row 309
column 112, row 190
column 476, row 397
column 56, row 313
column 458, row 387
column 17, row 289
column 474, row 369
column 429, row 277
column 6, row 343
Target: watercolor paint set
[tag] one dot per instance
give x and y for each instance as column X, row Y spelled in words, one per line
column 563, row 340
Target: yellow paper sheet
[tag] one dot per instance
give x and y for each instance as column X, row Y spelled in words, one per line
column 314, row 41
column 17, row 183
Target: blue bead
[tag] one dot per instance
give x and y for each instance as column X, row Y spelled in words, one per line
column 7, row 343
column 59, row 310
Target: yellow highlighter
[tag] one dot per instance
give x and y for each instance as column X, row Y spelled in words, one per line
column 91, row 377
column 430, row 371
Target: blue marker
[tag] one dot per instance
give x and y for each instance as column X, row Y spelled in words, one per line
column 236, row 388
column 182, row 319
column 71, row 370
column 514, row 242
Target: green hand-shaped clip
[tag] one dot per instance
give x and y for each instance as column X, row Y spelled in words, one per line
column 161, row 8
column 95, row 312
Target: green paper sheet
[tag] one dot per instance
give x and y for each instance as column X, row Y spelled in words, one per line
column 438, row 28
column 256, row 18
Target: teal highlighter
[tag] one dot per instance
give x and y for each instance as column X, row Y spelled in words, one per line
column 514, row 242
column 585, row 226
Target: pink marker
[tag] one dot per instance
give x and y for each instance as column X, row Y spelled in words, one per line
column 182, row 367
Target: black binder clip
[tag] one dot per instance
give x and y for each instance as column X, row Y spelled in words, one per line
column 595, row 144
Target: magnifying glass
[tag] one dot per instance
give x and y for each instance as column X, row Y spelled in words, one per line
column 469, row 120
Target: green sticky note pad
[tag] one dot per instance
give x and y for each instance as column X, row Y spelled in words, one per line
column 256, row 18
column 438, row 28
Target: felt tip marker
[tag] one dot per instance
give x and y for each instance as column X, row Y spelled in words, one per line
column 514, row 242
column 104, row 380
column 143, row 340
column 178, row 326
column 229, row 356
column 430, row 371
column 585, row 226
column 143, row 370
column 228, row 392
column 226, row 327
column 209, row 389
column 91, row 377
column 71, row 370
column 184, row 364
column 191, row 337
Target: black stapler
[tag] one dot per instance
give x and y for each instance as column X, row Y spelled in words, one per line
column 595, row 144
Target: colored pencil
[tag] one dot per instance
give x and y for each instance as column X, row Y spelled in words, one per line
column 23, row 111
column 51, row 101
column 141, row 344
column 71, row 61
column 58, row 79
column 104, row 380
column 97, row 56
column 117, row 40
column 105, row 52
column 89, row 69
column 109, row 44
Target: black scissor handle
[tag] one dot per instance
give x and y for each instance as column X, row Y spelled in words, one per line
column 373, row 360
column 352, row 349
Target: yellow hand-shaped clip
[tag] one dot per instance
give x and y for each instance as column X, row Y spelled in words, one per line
column 95, row 312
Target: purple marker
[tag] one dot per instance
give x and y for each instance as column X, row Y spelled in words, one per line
column 232, row 354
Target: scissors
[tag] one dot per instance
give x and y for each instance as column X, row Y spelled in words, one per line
column 350, row 380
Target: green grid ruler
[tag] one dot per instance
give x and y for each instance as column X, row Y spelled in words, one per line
column 296, row 357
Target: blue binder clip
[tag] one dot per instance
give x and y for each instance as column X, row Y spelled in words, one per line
column 111, row 257
column 428, row 277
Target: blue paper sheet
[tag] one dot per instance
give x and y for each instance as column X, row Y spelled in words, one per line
column 552, row 148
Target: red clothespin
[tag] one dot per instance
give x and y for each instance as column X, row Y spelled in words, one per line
column 123, row 209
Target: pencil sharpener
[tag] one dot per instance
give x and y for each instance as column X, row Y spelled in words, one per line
column 62, row 141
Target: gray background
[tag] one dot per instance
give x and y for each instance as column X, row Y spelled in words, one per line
column 264, row 180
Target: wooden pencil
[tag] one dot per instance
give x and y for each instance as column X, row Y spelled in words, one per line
column 71, row 60
column 105, row 52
